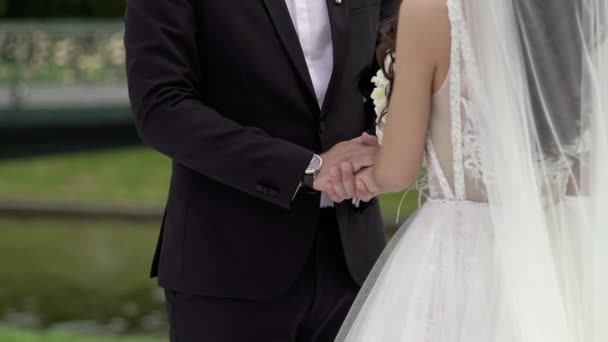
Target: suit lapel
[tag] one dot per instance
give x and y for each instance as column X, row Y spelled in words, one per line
column 279, row 13
column 338, row 16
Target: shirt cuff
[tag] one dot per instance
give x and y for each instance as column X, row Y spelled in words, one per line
column 297, row 190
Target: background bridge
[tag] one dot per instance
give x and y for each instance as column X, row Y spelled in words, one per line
column 62, row 87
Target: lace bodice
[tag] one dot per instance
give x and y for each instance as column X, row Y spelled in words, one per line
column 453, row 152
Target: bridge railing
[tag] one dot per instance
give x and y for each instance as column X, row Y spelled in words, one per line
column 72, row 69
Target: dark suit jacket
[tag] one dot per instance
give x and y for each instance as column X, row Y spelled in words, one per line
column 222, row 88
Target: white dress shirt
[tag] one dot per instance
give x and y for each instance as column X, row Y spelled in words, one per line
column 311, row 21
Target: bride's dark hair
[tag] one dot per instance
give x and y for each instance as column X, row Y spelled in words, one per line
column 386, row 48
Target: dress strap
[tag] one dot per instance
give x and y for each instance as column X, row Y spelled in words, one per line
column 435, row 167
column 456, row 22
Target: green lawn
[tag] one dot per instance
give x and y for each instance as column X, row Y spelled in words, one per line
column 80, row 272
column 127, row 175
column 17, row 335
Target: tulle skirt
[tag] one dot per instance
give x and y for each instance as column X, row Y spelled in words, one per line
column 436, row 282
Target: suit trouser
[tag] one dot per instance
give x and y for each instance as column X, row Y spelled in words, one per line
column 311, row 311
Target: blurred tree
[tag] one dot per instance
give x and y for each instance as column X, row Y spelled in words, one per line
column 61, row 8
column 3, row 4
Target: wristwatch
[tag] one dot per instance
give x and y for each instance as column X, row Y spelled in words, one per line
column 312, row 171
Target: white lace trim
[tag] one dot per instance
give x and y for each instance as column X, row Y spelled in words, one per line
column 456, row 19
column 458, row 202
column 437, row 171
column 472, row 153
column 473, row 149
column 555, row 172
column 467, row 151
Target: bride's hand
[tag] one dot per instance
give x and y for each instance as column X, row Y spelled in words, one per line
column 363, row 186
column 340, row 184
column 367, row 188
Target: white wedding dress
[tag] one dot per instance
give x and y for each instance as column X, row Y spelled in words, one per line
column 439, row 280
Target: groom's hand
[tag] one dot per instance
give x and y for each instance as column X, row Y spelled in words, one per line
column 341, row 163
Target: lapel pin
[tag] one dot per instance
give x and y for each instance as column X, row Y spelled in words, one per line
column 338, row 2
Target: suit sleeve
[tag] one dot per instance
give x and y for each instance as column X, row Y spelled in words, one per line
column 164, row 80
column 389, row 9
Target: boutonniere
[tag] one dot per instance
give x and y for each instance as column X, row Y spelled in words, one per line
column 380, row 95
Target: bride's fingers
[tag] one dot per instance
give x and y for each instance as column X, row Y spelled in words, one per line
column 370, row 140
column 363, row 192
column 357, row 140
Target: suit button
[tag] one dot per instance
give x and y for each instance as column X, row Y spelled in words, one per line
column 273, row 193
column 259, row 188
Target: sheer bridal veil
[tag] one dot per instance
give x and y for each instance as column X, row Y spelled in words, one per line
column 536, row 72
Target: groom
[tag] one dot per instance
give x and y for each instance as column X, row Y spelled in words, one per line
column 255, row 101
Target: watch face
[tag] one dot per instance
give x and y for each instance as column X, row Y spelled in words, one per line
column 315, row 165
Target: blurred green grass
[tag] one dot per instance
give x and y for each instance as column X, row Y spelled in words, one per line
column 18, row 335
column 135, row 174
column 90, row 273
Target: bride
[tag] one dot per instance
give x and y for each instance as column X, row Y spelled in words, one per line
column 506, row 102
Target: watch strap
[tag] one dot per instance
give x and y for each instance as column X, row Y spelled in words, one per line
column 308, row 181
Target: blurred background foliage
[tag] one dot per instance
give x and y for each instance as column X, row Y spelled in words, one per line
column 67, row 279
column 61, row 8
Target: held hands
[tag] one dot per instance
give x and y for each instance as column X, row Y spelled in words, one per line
column 367, row 188
column 347, row 172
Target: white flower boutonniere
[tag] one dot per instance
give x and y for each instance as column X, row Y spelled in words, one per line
column 380, row 96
